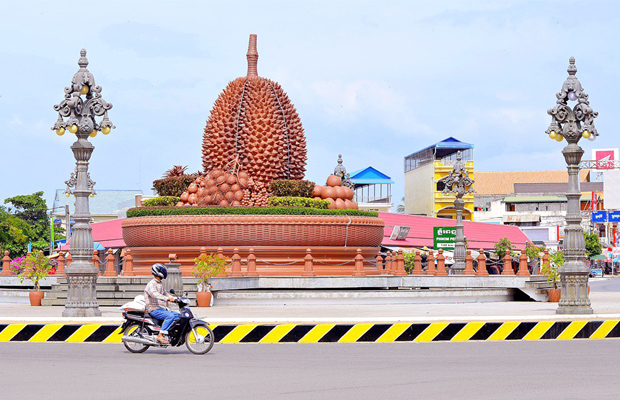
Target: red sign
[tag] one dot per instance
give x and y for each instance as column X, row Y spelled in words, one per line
column 605, row 158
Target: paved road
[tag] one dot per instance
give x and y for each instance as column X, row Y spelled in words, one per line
column 605, row 285
column 506, row 370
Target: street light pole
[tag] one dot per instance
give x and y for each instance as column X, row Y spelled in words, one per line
column 80, row 120
column 572, row 124
column 459, row 183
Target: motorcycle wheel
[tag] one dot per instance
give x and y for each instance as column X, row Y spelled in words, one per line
column 133, row 330
column 200, row 346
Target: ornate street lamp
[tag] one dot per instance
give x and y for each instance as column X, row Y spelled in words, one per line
column 572, row 125
column 459, row 183
column 80, row 116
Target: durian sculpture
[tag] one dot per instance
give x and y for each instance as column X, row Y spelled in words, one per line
column 253, row 136
column 254, row 121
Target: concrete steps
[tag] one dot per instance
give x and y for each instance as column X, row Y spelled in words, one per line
column 112, row 291
column 360, row 297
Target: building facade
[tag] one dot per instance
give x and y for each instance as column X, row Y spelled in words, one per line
column 524, row 199
column 373, row 189
column 424, row 172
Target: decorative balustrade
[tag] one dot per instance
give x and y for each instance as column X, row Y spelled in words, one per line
column 390, row 264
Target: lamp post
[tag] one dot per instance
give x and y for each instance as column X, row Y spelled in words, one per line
column 572, row 124
column 459, row 183
column 77, row 115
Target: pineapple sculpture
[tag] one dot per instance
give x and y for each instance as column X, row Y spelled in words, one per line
column 254, row 134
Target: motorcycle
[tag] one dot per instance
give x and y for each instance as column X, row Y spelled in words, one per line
column 140, row 328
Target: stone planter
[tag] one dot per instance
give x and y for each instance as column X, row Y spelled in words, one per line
column 203, row 299
column 35, row 298
column 554, row 295
column 279, row 242
column 253, row 230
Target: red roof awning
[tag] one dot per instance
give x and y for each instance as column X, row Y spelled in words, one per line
column 479, row 235
column 107, row 233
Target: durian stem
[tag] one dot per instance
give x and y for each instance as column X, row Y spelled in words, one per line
column 252, row 57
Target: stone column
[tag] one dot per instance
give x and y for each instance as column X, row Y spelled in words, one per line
column 359, row 264
column 308, row 264
column 574, row 272
column 174, row 279
column 81, row 273
column 459, row 248
column 6, row 262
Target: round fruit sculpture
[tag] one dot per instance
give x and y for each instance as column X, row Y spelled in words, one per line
column 254, row 121
column 339, row 197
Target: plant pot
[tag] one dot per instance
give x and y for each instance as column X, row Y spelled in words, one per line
column 203, row 299
column 554, row 295
column 35, row 298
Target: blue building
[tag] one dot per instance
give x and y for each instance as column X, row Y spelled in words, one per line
column 373, row 189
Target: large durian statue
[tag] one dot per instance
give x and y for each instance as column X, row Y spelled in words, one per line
column 254, row 122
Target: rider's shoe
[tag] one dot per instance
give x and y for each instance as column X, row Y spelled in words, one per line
column 161, row 339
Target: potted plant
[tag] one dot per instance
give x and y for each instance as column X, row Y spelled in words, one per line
column 35, row 267
column 556, row 260
column 533, row 253
column 207, row 266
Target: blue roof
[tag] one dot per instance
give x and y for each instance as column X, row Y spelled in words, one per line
column 447, row 143
column 370, row 176
column 104, row 202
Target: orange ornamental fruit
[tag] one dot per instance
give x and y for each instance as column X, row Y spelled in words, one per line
column 328, row 192
column 333, row 180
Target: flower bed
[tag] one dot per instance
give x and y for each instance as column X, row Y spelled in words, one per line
column 160, row 211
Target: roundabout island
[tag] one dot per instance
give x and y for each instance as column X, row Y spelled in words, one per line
column 251, row 198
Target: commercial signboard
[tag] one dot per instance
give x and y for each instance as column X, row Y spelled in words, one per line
column 444, row 237
column 599, row 216
column 614, row 216
column 605, row 158
column 611, row 189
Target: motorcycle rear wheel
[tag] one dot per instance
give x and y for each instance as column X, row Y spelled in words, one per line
column 204, row 332
column 133, row 330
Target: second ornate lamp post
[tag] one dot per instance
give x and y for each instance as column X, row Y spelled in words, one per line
column 572, row 124
column 459, row 183
column 80, row 120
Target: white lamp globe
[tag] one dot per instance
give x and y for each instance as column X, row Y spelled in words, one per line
column 572, row 96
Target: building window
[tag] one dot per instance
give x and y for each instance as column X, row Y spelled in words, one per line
column 510, row 207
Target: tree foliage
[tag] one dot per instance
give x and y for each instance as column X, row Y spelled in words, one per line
column 24, row 220
column 502, row 246
column 593, row 245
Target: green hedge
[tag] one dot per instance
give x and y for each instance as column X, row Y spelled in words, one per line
column 162, row 201
column 153, row 211
column 291, row 188
column 298, row 202
column 173, row 186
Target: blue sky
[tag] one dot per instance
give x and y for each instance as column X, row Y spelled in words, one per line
column 374, row 81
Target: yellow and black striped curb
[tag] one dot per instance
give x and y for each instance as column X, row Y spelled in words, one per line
column 341, row 333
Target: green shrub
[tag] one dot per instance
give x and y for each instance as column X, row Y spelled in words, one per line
column 162, row 201
column 173, row 186
column 292, row 188
column 154, row 211
column 298, row 202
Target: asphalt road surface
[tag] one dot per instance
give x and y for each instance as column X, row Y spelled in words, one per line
column 505, row 370
column 605, row 285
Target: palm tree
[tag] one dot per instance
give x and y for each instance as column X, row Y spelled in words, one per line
column 176, row 170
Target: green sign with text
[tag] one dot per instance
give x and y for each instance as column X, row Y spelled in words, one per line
column 444, row 238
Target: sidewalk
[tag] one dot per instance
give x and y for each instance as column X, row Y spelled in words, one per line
column 606, row 305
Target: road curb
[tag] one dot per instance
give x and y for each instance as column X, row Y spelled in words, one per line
column 337, row 332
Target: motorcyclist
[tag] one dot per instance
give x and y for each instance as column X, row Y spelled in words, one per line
column 157, row 301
